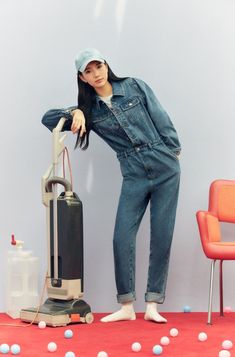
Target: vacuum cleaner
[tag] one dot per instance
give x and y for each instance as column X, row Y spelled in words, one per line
column 64, row 281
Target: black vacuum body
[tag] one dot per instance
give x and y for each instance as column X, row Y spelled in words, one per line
column 70, row 239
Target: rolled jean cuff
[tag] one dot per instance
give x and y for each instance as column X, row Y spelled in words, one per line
column 126, row 297
column 154, row 297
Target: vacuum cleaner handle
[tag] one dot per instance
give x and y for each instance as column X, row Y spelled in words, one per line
column 50, row 182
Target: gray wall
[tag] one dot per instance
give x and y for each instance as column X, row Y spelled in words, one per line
column 185, row 50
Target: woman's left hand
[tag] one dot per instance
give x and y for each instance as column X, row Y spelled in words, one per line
column 78, row 122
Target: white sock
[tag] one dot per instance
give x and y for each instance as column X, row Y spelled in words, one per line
column 125, row 313
column 152, row 314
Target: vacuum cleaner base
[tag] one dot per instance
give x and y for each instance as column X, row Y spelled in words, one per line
column 59, row 313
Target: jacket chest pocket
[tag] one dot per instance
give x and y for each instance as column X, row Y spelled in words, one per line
column 134, row 110
column 131, row 103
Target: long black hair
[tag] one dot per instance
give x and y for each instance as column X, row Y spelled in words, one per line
column 86, row 95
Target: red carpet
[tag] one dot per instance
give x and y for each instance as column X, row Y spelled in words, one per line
column 116, row 338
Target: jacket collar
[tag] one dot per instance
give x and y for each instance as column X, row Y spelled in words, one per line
column 118, row 90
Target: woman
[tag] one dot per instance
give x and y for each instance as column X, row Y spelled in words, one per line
column 125, row 113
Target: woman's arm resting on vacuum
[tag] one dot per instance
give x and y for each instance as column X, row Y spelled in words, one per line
column 75, row 119
column 51, row 118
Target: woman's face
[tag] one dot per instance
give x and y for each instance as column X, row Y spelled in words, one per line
column 95, row 74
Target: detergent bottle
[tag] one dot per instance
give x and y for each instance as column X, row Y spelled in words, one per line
column 22, row 279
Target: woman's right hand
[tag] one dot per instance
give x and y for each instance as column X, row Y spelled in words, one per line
column 79, row 122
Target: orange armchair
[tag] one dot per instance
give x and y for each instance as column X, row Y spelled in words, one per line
column 221, row 209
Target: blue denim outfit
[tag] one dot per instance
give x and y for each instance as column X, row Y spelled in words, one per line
column 147, row 145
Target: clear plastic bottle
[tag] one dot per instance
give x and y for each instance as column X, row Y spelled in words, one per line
column 22, row 279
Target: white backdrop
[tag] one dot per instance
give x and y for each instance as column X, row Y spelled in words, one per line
column 185, row 50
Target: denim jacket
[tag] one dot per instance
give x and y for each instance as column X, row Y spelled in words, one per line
column 135, row 118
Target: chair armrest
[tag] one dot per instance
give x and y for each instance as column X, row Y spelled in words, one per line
column 209, row 229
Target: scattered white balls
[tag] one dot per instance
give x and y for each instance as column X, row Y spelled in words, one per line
column 15, row 349
column 52, row 347
column 42, row 324
column 4, row 348
column 224, row 353
column 165, row 341
column 227, row 344
column 136, row 347
column 102, row 354
column 174, row 332
column 68, row 333
column 202, row 336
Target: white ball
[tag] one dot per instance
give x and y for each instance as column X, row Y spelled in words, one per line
column 202, row 336
column 227, row 344
column 69, row 354
column 224, row 353
column 42, row 324
column 15, row 349
column 227, row 309
column 102, row 354
column 165, row 341
column 68, row 333
column 52, row 347
column 136, row 347
column 4, row 348
column 174, row 332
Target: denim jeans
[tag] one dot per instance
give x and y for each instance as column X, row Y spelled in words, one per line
column 151, row 173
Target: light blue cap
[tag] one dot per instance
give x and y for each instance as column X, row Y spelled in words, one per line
column 88, row 55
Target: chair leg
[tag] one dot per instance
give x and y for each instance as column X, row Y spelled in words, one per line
column 221, row 288
column 211, row 291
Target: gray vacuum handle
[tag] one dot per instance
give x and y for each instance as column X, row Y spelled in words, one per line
column 54, row 180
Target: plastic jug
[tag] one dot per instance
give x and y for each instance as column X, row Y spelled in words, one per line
column 22, row 279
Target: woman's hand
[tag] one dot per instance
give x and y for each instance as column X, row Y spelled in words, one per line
column 78, row 122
